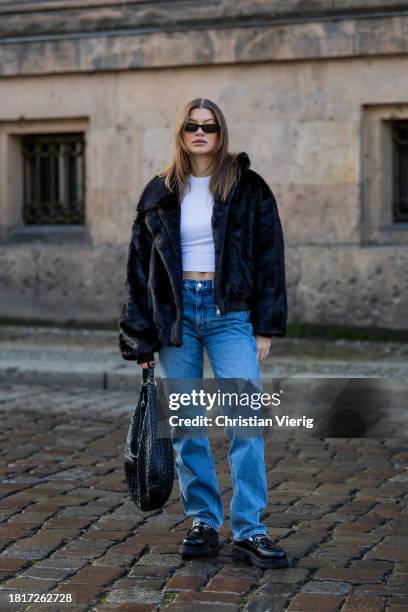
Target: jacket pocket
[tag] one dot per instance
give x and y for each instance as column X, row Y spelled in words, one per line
column 247, row 275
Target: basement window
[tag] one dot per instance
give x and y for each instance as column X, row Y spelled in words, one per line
column 54, row 179
column 400, row 171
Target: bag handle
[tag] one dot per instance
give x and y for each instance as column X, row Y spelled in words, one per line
column 148, row 373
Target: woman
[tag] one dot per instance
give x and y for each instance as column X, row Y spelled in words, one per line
column 206, row 268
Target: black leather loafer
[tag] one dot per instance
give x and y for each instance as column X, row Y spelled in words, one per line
column 261, row 551
column 200, row 541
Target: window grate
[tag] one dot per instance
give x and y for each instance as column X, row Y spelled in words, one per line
column 400, row 171
column 54, row 178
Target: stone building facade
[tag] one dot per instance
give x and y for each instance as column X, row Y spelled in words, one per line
column 314, row 95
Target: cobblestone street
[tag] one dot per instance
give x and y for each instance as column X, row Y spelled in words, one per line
column 337, row 506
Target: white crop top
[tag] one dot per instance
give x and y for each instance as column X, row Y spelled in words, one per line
column 197, row 243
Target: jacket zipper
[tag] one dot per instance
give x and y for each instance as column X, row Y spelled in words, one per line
column 220, row 307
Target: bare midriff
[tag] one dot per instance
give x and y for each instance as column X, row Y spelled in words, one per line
column 198, row 275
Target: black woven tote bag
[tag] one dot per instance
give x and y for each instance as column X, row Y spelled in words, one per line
column 148, row 459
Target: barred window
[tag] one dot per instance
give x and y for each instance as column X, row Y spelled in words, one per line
column 400, row 171
column 54, row 178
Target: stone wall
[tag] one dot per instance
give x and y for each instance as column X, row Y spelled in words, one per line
column 301, row 98
column 194, row 35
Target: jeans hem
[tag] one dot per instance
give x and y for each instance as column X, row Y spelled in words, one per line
column 206, row 521
column 251, row 534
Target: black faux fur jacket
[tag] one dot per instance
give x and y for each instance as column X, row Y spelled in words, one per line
column 250, row 266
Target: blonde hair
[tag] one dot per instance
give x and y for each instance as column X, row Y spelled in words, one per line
column 224, row 167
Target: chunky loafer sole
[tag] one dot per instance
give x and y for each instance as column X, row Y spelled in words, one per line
column 247, row 555
column 209, row 549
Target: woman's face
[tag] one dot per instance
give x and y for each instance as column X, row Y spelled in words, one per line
column 199, row 143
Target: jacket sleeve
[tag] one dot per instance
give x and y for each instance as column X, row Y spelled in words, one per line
column 138, row 337
column 269, row 315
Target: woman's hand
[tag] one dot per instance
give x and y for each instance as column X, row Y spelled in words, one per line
column 146, row 364
column 262, row 347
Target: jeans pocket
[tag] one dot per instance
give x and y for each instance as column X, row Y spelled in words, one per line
column 243, row 315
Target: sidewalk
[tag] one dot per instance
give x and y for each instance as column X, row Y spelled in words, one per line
column 92, row 359
column 337, row 506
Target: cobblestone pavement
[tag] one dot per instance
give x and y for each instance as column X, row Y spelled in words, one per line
column 338, row 507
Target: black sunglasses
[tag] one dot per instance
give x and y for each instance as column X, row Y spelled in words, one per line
column 209, row 128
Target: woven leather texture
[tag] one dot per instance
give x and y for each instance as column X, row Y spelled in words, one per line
column 148, row 459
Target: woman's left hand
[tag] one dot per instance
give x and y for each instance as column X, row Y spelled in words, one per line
column 262, row 347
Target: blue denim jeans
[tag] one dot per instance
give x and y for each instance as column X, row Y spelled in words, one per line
column 231, row 348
